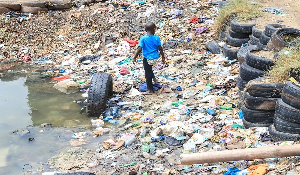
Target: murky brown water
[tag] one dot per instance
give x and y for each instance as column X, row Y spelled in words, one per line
column 26, row 102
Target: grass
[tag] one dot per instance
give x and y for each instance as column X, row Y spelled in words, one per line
column 242, row 9
column 289, row 59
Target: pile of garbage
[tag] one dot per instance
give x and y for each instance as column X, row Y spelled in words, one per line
column 196, row 105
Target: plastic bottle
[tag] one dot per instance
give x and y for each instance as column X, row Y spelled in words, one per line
column 211, row 112
column 146, row 147
column 241, row 115
column 115, row 122
column 114, row 111
column 128, row 138
column 226, row 107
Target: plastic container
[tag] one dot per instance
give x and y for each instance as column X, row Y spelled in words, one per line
column 115, row 122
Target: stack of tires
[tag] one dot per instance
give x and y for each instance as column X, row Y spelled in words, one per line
column 287, row 114
column 238, row 35
column 261, row 38
column 259, row 102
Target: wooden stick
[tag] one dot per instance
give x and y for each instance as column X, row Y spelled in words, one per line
column 241, row 154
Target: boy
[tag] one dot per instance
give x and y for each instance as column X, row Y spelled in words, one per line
column 150, row 44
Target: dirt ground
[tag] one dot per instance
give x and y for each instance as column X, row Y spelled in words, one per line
column 290, row 19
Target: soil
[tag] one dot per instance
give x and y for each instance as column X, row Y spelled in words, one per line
column 264, row 53
column 289, row 19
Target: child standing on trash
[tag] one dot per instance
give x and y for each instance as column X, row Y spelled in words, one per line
column 150, row 44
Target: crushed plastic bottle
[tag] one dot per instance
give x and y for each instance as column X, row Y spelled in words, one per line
column 129, row 138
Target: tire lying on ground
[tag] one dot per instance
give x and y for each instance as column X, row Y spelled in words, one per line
column 271, row 28
column 260, row 89
column 100, row 89
column 278, row 40
column 253, row 40
column 249, row 73
column 291, row 94
column 241, row 54
column 286, row 126
column 230, row 52
column 258, row 62
column 287, row 112
column 255, row 32
column 241, row 28
column 236, row 42
column 34, row 10
column 280, row 136
column 238, row 35
column 213, row 47
column 255, row 116
column 259, row 103
column 264, row 39
column 250, row 124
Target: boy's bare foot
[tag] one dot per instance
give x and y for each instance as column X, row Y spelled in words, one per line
column 148, row 93
column 155, row 80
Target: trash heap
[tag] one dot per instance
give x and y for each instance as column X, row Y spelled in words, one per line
column 195, row 108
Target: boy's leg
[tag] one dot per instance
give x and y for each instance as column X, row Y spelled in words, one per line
column 148, row 75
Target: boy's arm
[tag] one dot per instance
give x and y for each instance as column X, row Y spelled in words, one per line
column 138, row 51
column 161, row 51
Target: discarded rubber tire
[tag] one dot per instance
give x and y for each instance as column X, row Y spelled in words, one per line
column 236, row 42
column 255, row 32
column 99, row 90
column 271, row 28
column 34, row 10
column 249, row 73
column 281, row 136
column 277, row 43
column 258, row 62
column 241, row 84
column 229, row 52
column 287, row 112
column 286, row 126
column 295, row 73
column 34, row 4
column 253, row 40
column 241, row 28
column 241, row 54
column 259, row 103
column 255, row 116
column 238, row 35
column 264, row 39
column 251, row 125
column 12, row 6
column 291, row 94
column 268, row 90
column 213, row 47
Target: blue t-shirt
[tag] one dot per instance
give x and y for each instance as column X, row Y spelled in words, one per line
column 149, row 45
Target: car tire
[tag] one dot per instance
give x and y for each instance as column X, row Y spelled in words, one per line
column 267, row 90
column 236, row 42
column 259, row 103
column 255, row 116
column 277, row 43
column 249, row 73
column 287, row 112
column 238, row 35
column 286, row 126
column 281, row 136
column 213, row 47
column 241, row 83
column 241, row 28
column 248, row 124
column 264, row 39
column 291, row 94
column 258, row 62
column 271, row 28
column 241, row 54
column 99, row 91
column 229, row 52
column 255, row 32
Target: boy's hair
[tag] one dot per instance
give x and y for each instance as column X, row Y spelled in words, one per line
column 150, row 26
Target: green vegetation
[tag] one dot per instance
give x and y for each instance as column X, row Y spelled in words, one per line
column 289, row 60
column 242, row 9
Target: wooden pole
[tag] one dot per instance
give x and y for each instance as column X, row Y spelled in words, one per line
column 241, row 154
